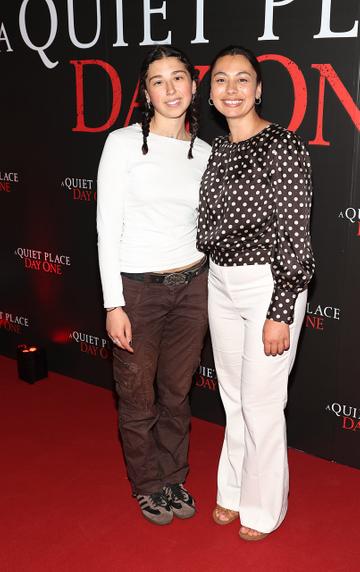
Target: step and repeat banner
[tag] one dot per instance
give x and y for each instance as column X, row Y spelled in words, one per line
column 69, row 75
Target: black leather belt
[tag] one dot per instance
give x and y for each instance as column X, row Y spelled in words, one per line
column 169, row 278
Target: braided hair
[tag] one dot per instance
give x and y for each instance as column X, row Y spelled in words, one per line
column 146, row 114
column 147, row 110
column 193, row 114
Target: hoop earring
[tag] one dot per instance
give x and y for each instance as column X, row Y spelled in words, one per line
column 210, row 101
column 257, row 100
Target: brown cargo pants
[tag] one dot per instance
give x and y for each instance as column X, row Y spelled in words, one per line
column 169, row 323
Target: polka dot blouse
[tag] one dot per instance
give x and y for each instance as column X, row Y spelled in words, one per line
column 255, row 201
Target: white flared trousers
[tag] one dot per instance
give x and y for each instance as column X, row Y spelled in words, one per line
column 253, row 473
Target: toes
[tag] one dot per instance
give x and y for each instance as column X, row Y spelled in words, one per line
column 244, row 529
column 249, row 531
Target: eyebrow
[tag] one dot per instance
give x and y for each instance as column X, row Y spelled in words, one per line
column 238, row 73
column 172, row 73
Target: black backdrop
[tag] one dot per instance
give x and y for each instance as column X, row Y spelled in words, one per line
column 57, row 106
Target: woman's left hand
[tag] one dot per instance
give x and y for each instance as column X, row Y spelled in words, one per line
column 276, row 337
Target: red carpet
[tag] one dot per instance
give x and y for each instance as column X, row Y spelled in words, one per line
column 66, row 506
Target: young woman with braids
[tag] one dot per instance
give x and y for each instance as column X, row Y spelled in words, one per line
column 154, row 279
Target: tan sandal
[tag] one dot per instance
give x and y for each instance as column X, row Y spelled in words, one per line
column 250, row 537
column 230, row 515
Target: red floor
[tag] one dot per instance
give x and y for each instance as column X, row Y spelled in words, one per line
column 65, row 503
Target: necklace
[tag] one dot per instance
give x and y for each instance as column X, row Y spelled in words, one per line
column 180, row 137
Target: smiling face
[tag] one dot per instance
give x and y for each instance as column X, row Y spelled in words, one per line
column 234, row 86
column 169, row 87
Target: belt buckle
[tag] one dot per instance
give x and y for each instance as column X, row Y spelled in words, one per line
column 174, row 279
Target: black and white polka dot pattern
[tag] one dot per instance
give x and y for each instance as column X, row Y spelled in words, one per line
column 255, row 201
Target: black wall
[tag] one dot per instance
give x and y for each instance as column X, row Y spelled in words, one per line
column 48, row 163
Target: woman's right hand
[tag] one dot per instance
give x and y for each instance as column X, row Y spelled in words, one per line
column 118, row 327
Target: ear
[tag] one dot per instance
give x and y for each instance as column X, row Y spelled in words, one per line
column 147, row 96
column 194, row 87
column 258, row 90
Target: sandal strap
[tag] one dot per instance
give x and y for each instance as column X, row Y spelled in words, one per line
column 224, row 510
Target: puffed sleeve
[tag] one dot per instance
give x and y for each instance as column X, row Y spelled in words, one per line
column 111, row 186
column 292, row 259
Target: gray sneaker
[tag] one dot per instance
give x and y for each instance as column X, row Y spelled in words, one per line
column 155, row 508
column 180, row 500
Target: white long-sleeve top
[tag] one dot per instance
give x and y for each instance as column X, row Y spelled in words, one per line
column 147, row 206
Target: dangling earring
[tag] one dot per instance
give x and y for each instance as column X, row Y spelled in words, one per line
column 257, row 100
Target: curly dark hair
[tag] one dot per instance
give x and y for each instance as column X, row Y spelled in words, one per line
column 147, row 110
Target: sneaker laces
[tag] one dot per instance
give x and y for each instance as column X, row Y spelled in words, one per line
column 179, row 492
column 157, row 499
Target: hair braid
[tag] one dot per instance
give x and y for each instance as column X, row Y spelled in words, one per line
column 193, row 122
column 147, row 114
